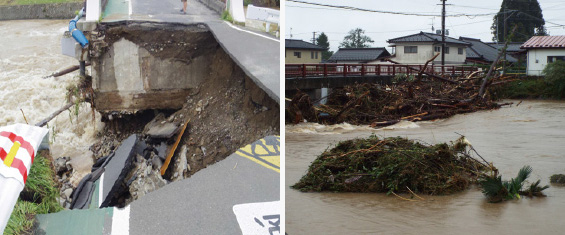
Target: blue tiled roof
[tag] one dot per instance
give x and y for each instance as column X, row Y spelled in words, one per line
column 359, row 54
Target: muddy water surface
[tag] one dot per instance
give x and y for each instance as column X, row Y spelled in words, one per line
column 30, row 50
column 532, row 133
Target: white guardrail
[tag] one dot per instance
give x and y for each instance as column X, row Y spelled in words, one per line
column 263, row 14
column 18, row 147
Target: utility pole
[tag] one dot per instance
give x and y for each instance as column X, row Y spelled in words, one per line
column 314, row 38
column 443, row 33
column 505, row 38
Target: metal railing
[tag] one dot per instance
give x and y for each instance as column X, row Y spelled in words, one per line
column 352, row 70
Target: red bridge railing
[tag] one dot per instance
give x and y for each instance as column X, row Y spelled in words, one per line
column 351, row 70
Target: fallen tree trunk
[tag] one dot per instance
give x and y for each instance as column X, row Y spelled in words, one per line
column 65, row 71
column 484, row 84
column 53, row 115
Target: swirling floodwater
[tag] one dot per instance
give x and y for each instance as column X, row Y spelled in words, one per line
column 29, row 51
column 532, row 133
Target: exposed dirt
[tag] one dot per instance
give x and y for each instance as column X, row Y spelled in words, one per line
column 226, row 112
column 181, row 42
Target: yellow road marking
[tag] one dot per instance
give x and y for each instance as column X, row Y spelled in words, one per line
column 264, row 153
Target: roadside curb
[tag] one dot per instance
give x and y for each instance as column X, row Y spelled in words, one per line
column 40, row 11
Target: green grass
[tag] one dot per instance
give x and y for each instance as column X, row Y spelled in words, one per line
column 43, row 192
column 32, row 2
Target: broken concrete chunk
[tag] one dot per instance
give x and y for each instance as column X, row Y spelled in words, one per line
column 162, row 151
column 161, row 128
column 60, row 165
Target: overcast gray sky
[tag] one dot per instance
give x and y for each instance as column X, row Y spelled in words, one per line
column 303, row 19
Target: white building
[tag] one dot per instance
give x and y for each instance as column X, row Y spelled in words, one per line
column 419, row 48
column 543, row 50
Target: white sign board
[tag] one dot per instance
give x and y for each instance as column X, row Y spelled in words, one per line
column 262, row 218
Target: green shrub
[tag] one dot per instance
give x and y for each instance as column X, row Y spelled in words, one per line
column 226, row 16
column 555, row 76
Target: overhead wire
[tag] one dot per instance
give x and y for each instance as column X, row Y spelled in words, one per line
column 388, row 12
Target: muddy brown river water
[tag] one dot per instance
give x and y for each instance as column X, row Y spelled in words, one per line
column 532, row 133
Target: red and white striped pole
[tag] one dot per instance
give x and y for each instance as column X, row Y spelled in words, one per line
column 18, row 146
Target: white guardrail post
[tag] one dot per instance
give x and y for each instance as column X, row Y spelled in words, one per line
column 18, row 147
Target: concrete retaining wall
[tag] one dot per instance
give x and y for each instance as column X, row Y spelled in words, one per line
column 40, row 11
column 215, row 5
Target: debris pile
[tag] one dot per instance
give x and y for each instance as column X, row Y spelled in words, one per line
column 379, row 105
column 393, row 165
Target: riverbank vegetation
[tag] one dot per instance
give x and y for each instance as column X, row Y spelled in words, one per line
column 38, row 197
column 549, row 86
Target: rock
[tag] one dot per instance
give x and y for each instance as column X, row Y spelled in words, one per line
column 146, row 180
column 61, row 201
column 60, row 165
column 161, row 128
column 156, row 162
column 82, row 166
column 162, row 151
column 181, row 165
column 68, row 193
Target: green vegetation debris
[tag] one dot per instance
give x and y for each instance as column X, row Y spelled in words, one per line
column 38, row 197
column 393, row 165
column 557, row 179
column 497, row 190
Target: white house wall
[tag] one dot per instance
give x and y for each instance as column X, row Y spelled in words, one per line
column 426, row 52
column 537, row 59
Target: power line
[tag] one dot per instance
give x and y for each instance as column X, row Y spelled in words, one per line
column 387, row 12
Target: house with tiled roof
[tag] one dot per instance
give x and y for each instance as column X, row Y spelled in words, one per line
column 301, row 52
column 482, row 53
column 542, row 50
column 420, row 47
column 513, row 49
column 370, row 55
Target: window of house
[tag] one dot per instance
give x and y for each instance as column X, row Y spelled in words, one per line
column 551, row 59
column 410, row 49
column 297, row 54
column 316, row 55
column 460, row 51
column 312, row 55
column 446, row 50
column 437, row 49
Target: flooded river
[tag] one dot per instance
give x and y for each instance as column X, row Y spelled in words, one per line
column 532, row 133
column 30, row 50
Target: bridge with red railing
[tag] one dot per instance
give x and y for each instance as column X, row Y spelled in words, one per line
column 313, row 76
column 355, row 70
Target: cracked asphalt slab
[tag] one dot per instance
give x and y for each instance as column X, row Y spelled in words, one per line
column 238, row 195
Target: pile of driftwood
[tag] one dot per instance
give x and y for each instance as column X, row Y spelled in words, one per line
column 424, row 96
